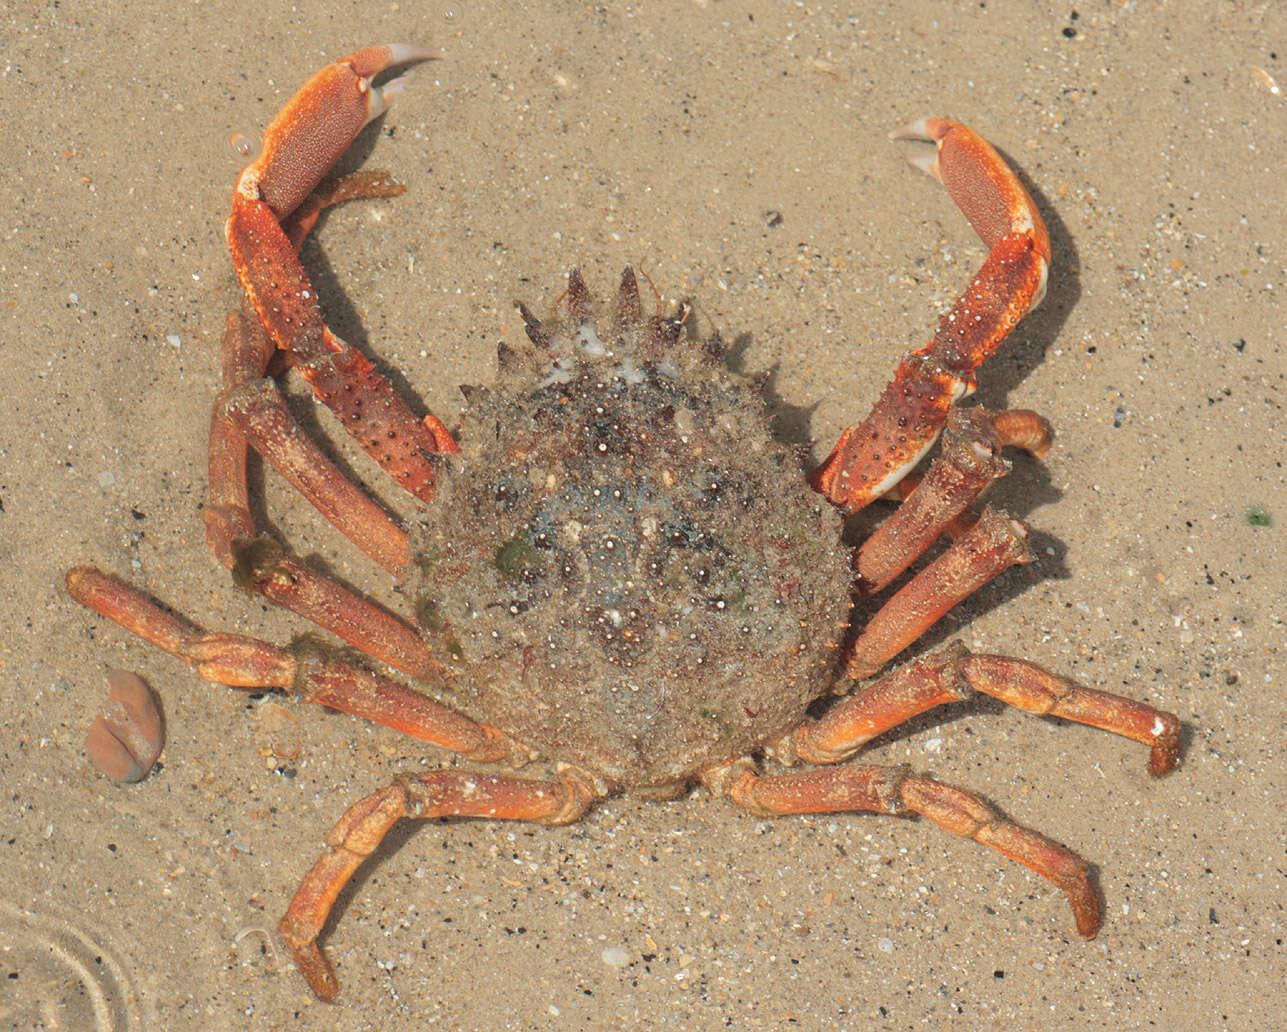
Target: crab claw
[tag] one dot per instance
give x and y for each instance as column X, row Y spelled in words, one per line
column 320, row 121
column 300, row 145
column 978, row 179
column 871, row 458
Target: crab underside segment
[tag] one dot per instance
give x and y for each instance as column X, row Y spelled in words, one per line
column 624, row 571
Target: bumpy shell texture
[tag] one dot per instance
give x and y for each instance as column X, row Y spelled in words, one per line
column 623, row 569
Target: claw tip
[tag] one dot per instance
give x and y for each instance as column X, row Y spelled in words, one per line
column 930, row 129
column 401, row 53
column 914, row 130
column 921, row 137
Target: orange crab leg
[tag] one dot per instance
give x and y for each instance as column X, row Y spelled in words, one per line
column 994, row 544
column 893, row 790
column 954, row 674
column 969, row 461
column 442, row 793
column 1030, row 687
column 875, row 455
column 361, row 185
column 256, row 561
column 259, row 563
column 300, row 145
column 250, row 410
column 305, row 671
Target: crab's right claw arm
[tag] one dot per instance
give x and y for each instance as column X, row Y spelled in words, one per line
column 872, row 457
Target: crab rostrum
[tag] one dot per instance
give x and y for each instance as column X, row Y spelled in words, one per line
column 619, row 572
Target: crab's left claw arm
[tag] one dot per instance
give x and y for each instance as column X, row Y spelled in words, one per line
column 268, row 219
column 874, row 456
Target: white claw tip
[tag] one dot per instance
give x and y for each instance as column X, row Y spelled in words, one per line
column 380, row 97
column 915, row 130
column 920, row 147
column 401, row 53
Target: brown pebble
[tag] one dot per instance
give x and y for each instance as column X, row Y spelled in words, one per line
column 127, row 734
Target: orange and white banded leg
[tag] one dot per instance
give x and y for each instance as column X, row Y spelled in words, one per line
column 895, row 790
column 302, row 143
column 954, row 674
column 872, row 457
column 443, row 793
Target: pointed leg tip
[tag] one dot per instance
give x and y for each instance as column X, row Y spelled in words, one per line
column 1089, row 929
column 1087, row 912
column 312, row 963
column 1163, row 758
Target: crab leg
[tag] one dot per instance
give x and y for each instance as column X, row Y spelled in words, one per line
column 250, row 410
column 875, row 455
column 358, row 833
column 894, row 790
column 994, row 544
column 263, row 565
column 259, row 563
column 361, row 185
column 300, row 145
column 305, row 672
column 1019, row 428
column 970, row 460
column 954, row 674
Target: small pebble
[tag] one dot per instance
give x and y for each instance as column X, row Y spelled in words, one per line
column 127, row 734
column 616, row 956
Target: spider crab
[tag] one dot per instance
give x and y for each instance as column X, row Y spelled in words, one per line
column 622, row 573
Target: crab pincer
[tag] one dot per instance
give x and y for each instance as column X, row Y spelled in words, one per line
column 319, row 123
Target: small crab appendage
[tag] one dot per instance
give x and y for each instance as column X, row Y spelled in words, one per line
column 713, row 581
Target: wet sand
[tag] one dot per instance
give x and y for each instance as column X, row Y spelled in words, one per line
column 737, row 154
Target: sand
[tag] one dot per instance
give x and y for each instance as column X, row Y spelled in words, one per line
column 737, row 154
